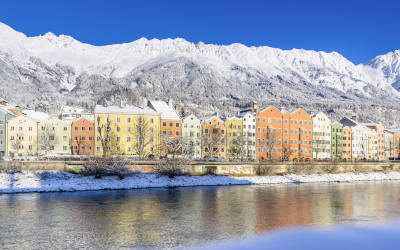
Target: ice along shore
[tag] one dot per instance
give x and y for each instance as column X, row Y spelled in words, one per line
column 53, row 181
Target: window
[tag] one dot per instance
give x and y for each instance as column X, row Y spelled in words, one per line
column 164, row 124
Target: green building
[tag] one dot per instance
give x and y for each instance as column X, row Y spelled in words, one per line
column 337, row 140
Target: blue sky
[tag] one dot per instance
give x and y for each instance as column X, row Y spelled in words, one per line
column 359, row 30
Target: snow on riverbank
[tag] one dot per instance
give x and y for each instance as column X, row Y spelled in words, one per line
column 46, row 181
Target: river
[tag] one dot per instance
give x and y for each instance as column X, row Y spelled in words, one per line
column 149, row 218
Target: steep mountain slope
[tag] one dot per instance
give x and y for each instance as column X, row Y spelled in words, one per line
column 389, row 65
column 47, row 71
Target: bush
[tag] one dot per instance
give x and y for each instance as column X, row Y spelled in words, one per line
column 11, row 168
column 171, row 167
column 101, row 166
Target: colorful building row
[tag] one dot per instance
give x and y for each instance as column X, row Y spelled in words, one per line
column 158, row 131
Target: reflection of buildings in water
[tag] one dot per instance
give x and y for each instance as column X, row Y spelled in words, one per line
column 282, row 206
column 368, row 201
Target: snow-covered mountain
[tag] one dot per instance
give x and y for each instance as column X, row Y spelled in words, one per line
column 47, row 71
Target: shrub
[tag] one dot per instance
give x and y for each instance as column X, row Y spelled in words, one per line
column 171, row 167
column 11, row 168
column 102, row 166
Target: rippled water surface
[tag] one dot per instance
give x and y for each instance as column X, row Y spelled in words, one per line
column 186, row 216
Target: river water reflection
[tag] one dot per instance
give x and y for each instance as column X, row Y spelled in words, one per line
column 186, row 216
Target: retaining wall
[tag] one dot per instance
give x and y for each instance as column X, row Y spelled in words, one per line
column 228, row 168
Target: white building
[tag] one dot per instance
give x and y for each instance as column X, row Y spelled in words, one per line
column 372, row 148
column 191, row 131
column 249, row 135
column 69, row 113
column 322, row 136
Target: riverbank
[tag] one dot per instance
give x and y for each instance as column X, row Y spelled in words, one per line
column 54, row 181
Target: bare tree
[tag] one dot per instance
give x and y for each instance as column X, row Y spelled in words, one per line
column 172, row 145
column 188, row 148
column 16, row 143
column 47, row 138
column 107, row 137
column 236, row 148
column 212, row 141
column 268, row 143
column 142, row 134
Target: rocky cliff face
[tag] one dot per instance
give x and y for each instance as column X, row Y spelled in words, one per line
column 47, row 71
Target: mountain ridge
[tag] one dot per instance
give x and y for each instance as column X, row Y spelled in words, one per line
column 61, row 69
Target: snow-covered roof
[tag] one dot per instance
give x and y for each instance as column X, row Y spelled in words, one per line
column 167, row 112
column 128, row 110
column 36, row 115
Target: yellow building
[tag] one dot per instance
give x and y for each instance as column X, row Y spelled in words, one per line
column 129, row 130
column 234, row 137
column 54, row 137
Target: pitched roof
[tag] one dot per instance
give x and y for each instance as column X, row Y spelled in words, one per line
column 128, row 110
column 36, row 115
column 166, row 112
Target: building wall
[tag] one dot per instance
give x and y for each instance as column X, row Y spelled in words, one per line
column 234, row 137
column 191, row 132
column 389, row 145
column 270, row 134
column 347, row 144
column 379, row 143
column 322, row 136
column 123, row 134
column 169, row 130
column 359, row 136
column 58, row 133
column 282, row 135
column 249, row 136
column 4, row 117
column 213, row 143
column 82, row 137
column 396, row 136
column 22, row 136
column 337, row 140
column 372, row 149
column 302, row 136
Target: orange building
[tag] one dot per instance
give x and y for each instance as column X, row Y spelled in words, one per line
column 347, row 149
column 170, row 128
column 82, row 136
column 283, row 136
column 213, row 139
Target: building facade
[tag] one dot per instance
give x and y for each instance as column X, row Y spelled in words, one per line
column 337, row 140
column 234, row 137
column 389, row 144
column 372, row 148
column 283, row 135
column 22, row 136
column 191, row 131
column 249, row 136
column 396, row 138
column 347, row 144
column 359, row 138
column 322, row 136
column 82, row 137
column 129, row 130
column 379, row 144
column 170, row 127
column 54, row 137
column 5, row 115
column 213, row 138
